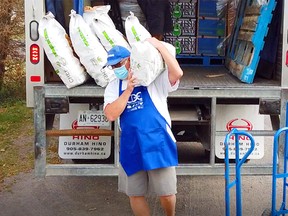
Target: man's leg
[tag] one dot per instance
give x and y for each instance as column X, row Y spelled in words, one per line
column 139, row 206
column 168, row 204
column 155, row 14
column 163, row 182
column 135, row 187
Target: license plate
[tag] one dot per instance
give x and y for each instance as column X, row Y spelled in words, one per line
column 92, row 118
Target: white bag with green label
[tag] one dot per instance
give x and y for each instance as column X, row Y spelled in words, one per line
column 101, row 25
column 90, row 51
column 59, row 52
column 134, row 30
column 98, row 11
column 146, row 61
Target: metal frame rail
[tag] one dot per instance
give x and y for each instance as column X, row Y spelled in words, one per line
column 238, row 164
column 186, row 90
column 212, row 168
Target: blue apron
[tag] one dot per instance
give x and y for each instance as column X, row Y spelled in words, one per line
column 145, row 143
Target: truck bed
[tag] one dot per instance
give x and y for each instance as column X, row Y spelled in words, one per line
column 197, row 81
column 196, row 77
column 217, row 81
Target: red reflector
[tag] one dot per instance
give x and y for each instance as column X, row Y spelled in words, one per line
column 35, row 78
column 34, row 54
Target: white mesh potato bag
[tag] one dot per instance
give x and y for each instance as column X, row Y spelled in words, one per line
column 60, row 53
column 147, row 62
column 134, row 30
column 98, row 11
column 98, row 20
column 90, row 51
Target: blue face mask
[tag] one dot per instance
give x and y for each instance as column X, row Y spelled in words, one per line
column 121, row 72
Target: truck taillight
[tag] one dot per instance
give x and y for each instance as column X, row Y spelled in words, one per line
column 34, row 54
column 35, row 78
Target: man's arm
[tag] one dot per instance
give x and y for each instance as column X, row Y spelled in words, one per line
column 174, row 70
column 113, row 110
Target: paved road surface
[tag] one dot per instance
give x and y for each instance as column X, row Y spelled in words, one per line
column 98, row 196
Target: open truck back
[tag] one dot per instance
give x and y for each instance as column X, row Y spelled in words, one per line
column 217, row 92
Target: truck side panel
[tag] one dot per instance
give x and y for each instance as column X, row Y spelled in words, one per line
column 34, row 10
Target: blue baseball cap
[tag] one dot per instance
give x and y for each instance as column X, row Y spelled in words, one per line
column 116, row 54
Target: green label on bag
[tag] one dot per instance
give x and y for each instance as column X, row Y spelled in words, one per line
column 108, row 38
column 82, row 36
column 49, row 43
column 135, row 33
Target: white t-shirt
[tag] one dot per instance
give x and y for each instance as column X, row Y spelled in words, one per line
column 158, row 91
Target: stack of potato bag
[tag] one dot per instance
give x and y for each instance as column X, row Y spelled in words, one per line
column 90, row 51
column 59, row 52
column 92, row 36
column 103, row 26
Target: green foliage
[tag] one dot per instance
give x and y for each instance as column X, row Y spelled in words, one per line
column 11, row 34
column 13, row 88
column 14, row 113
column 11, row 22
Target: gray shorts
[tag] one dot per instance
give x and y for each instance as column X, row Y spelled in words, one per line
column 161, row 182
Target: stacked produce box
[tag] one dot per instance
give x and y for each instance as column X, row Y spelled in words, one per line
column 197, row 29
column 211, row 28
column 183, row 36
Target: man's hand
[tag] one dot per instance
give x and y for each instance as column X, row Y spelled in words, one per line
column 131, row 81
column 154, row 41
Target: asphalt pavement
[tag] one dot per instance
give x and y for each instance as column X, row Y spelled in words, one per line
column 27, row 195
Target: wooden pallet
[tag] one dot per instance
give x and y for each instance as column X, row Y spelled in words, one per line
column 247, row 38
column 200, row 60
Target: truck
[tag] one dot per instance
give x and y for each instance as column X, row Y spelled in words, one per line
column 235, row 76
